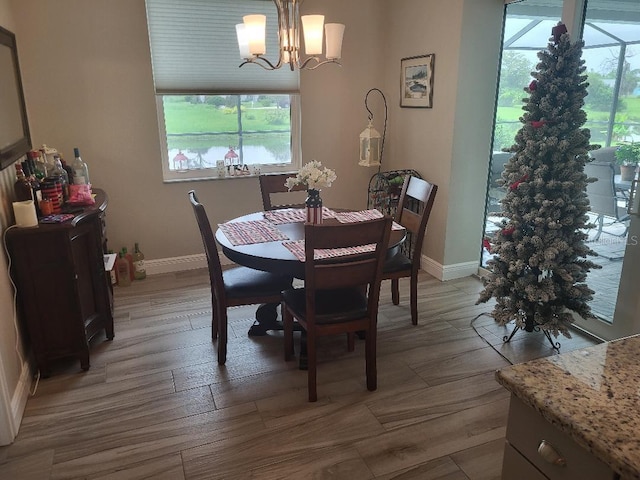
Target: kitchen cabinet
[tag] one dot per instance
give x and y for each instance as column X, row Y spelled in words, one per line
column 536, row 450
column 575, row 415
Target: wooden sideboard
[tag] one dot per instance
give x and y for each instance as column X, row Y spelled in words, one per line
column 64, row 295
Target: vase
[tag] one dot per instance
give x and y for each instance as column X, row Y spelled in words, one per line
column 313, row 204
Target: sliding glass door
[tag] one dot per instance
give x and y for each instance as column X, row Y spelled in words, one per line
column 611, row 31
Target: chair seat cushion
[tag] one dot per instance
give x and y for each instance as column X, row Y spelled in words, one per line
column 397, row 263
column 332, row 306
column 246, row 282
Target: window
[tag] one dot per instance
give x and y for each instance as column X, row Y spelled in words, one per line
column 238, row 133
column 215, row 119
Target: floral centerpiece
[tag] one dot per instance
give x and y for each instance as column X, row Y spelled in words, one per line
column 313, row 175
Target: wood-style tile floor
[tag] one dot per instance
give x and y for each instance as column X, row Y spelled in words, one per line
column 156, row 405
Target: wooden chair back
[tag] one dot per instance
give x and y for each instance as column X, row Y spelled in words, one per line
column 414, row 208
column 340, row 293
column 357, row 270
column 210, row 249
column 274, row 184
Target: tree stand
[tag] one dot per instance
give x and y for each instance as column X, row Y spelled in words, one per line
column 530, row 326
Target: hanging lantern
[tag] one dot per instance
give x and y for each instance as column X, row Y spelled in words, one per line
column 370, row 147
column 371, row 142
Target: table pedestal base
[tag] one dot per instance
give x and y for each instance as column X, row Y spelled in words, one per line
column 266, row 319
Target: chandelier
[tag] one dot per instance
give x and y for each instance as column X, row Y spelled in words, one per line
column 252, row 43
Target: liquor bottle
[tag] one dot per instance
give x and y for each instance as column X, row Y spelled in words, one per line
column 80, row 169
column 36, row 189
column 67, row 169
column 129, row 259
column 58, row 171
column 47, row 155
column 22, row 187
column 139, row 271
column 31, row 162
column 122, row 270
column 39, row 167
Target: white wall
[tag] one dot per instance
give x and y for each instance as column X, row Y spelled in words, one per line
column 448, row 144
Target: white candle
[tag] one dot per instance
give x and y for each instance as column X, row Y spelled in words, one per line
column 25, row 213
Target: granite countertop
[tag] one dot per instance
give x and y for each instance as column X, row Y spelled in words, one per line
column 592, row 394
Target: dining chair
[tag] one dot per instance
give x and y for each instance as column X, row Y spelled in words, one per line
column 414, row 208
column 235, row 286
column 340, row 294
column 272, row 184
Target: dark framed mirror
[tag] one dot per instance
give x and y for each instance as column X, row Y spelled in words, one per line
column 14, row 127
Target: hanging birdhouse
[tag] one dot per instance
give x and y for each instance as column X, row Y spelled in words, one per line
column 231, row 158
column 181, row 162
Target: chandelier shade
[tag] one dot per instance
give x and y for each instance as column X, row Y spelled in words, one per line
column 292, row 28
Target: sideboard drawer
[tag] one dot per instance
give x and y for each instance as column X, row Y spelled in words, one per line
column 526, row 429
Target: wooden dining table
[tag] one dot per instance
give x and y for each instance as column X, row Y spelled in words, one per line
column 273, row 256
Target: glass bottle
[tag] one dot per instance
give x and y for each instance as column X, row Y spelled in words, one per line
column 22, row 187
column 36, row 190
column 47, row 156
column 80, row 169
column 39, row 167
column 129, row 258
column 122, row 271
column 67, row 169
column 58, row 171
column 139, row 272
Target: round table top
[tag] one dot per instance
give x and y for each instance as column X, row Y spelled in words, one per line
column 275, row 257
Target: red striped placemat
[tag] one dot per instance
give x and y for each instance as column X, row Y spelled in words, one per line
column 254, row 231
column 293, row 215
column 363, row 216
column 297, row 248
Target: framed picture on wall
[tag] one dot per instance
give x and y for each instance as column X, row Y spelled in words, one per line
column 416, row 81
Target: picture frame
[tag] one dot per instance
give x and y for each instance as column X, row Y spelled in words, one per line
column 416, row 81
column 15, row 140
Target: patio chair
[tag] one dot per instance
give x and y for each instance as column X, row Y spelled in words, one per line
column 604, row 199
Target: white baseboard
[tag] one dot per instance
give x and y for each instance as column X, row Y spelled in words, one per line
column 448, row 272
column 191, row 262
column 179, row 264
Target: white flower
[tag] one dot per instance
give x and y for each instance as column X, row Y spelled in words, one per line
column 313, row 175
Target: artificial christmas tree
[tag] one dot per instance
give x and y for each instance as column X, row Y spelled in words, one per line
column 540, row 266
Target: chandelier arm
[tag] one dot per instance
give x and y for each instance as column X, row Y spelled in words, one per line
column 324, row 62
column 384, row 129
column 255, row 61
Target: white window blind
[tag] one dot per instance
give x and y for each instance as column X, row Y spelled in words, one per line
column 194, row 48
